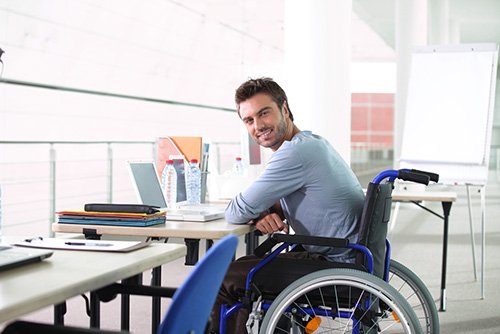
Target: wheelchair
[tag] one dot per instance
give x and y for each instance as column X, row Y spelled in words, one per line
column 373, row 295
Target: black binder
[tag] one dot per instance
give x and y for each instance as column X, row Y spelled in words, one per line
column 126, row 208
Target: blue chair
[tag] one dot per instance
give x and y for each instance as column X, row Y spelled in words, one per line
column 191, row 305
column 193, row 301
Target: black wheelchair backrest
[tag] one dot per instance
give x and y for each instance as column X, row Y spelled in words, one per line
column 374, row 223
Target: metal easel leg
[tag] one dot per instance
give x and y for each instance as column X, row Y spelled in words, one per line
column 471, row 225
column 483, row 238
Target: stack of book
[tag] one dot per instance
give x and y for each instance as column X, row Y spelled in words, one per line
column 111, row 218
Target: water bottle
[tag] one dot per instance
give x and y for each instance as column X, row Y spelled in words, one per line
column 169, row 184
column 238, row 168
column 193, row 183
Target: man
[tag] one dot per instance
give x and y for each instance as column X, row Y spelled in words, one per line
column 306, row 185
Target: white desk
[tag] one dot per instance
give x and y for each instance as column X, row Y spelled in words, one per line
column 70, row 273
column 446, row 198
column 192, row 232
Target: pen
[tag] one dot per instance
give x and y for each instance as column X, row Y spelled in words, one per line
column 69, row 243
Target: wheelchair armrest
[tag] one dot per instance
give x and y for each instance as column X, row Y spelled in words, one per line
column 276, row 238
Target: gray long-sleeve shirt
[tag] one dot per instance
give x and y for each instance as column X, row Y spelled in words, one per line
column 318, row 192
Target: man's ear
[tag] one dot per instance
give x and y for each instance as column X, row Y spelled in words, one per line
column 285, row 109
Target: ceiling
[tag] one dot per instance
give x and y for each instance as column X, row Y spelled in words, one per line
column 475, row 21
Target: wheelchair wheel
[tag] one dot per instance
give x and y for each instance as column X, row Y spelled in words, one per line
column 339, row 301
column 416, row 293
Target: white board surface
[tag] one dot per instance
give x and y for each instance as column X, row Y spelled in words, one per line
column 449, row 111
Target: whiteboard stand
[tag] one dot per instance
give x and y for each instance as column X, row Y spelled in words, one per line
column 482, row 192
column 471, row 225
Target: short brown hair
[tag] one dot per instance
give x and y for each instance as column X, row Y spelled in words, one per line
column 261, row 85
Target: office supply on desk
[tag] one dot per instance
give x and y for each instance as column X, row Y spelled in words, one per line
column 111, row 218
column 148, row 190
column 204, row 171
column 124, row 208
column 12, row 256
column 190, row 147
column 85, row 245
column 88, row 244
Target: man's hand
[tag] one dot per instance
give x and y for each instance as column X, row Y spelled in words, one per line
column 271, row 223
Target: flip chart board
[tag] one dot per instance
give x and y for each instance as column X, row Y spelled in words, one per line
column 449, row 111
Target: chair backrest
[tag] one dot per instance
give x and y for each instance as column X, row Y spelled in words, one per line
column 193, row 301
column 374, row 223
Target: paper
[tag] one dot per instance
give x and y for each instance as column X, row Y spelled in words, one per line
column 82, row 244
column 189, row 146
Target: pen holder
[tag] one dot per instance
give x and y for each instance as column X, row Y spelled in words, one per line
column 203, row 186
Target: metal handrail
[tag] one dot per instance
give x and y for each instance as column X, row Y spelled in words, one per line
column 52, row 162
column 110, row 94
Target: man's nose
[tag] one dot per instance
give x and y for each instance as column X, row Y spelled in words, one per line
column 258, row 125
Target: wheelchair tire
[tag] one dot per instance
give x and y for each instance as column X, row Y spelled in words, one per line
column 411, row 287
column 340, row 291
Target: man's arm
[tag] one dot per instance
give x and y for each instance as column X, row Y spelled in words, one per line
column 271, row 220
column 283, row 175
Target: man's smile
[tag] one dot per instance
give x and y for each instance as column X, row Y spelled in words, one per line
column 264, row 134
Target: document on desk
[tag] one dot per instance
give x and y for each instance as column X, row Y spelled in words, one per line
column 83, row 245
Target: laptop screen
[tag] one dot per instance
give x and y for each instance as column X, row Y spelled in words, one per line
column 147, row 183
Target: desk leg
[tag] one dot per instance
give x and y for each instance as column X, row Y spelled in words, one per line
column 95, row 311
column 209, row 243
column 193, row 249
column 125, row 312
column 125, row 301
column 446, row 214
column 59, row 312
column 156, row 301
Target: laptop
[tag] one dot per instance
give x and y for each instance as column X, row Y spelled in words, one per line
column 148, row 190
column 13, row 256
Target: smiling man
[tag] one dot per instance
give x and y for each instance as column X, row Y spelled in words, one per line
column 306, row 185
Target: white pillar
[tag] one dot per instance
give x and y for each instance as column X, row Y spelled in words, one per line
column 317, row 66
column 411, row 31
column 439, row 22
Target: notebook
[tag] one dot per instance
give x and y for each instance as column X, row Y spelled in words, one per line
column 148, row 190
column 12, row 256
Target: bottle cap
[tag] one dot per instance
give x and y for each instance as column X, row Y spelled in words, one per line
column 238, row 159
column 170, row 162
column 194, row 161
